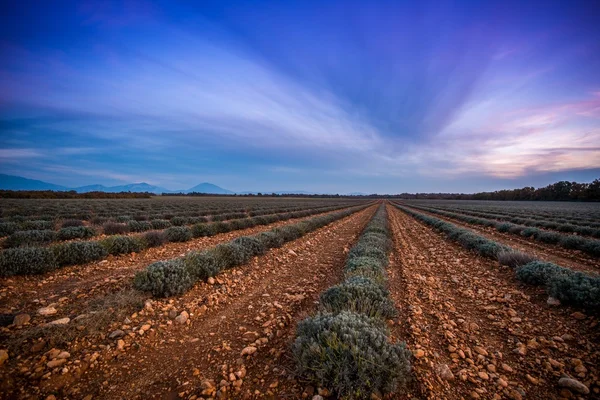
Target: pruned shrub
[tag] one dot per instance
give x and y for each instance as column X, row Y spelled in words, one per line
column 160, row 224
column 548, row 237
column 164, row 279
column 539, row 272
column 202, row 265
column 76, row 232
column 67, row 223
column 288, row 232
column 78, row 252
column 123, row 218
column 121, row 244
column 154, row 238
column 37, row 225
column 366, row 250
column 178, row 234
column 202, row 230
column 221, row 227
column 230, row 255
column 114, row 228
column 504, row 227
column 576, row 288
column 8, row 228
column 270, row 239
column 28, row 238
column 360, row 295
column 251, row 245
column 139, row 226
column 179, row 221
column 592, row 247
column 514, row 259
column 27, row 260
column 345, row 352
column 530, row 232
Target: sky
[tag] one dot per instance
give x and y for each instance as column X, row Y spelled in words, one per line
column 324, row 96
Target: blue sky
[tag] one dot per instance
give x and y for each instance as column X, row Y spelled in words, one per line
column 336, row 96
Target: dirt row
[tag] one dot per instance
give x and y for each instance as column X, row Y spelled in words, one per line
column 476, row 332
column 229, row 336
column 71, row 289
column 573, row 259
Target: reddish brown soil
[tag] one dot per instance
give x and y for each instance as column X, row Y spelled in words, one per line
column 573, row 259
column 255, row 305
column 471, row 314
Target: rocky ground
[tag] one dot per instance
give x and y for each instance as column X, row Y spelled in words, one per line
column 226, row 337
column 477, row 333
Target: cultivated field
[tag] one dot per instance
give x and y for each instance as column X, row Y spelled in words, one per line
column 219, row 297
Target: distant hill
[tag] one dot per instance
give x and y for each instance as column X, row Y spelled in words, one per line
column 11, row 182
column 208, row 188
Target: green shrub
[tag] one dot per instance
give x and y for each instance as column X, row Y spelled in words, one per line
column 221, row 227
column 288, row 232
column 360, row 295
column 179, row 221
column 76, row 232
column 67, row 223
column 8, row 228
column 530, row 232
column 366, row 250
column 548, row 237
column 28, row 238
column 592, row 247
column 202, row 265
column 121, row 244
column 37, row 225
column 178, row 234
column 539, row 272
column 139, row 226
column 252, row 246
column 78, row 252
column 160, row 224
column 229, row 255
column 123, row 218
column 514, row 259
column 26, row 260
column 345, row 352
column 504, row 227
column 576, row 289
column 164, row 279
column 154, row 239
column 270, row 240
column 114, row 228
column 202, row 230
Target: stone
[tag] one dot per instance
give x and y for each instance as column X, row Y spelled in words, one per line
column 249, row 350
column 507, row 367
column 317, row 397
column 56, row 363
column 182, row 318
column 3, row 356
column 63, row 355
column 573, row 385
column 211, row 280
column 120, row 344
column 419, row 353
column 21, row 319
column 292, row 252
column 61, row 321
column 116, row 334
column 172, row 314
column 491, row 368
column 480, row 350
column 145, row 327
column 47, row 311
column 483, row 375
column 534, row 381
column 445, row 373
column 514, row 395
column 578, row 315
column 553, row 301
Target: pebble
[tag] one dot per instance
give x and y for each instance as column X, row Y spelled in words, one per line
column 116, row 334
column 578, row 315
column 61, row 321
column 211, row 280
column 419, row 353
column 63, row 355
column 21, row 319
column 574, row 385
column 47, row 311
column 553, row 301
column 249, row 350
column 120, row 344
column 483, row 375
column 56, row 363
column 183, row 317
column 480, row 350
column 445, row 373
column 3, row 356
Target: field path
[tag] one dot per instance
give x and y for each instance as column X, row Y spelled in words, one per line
column 75, row 286
column 255, row 305
column 573, row 259
column 471, row 317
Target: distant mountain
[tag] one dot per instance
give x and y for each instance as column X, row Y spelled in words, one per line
column 133, row 187
column 208, row 188
column 11, row 182
column 357, row 194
